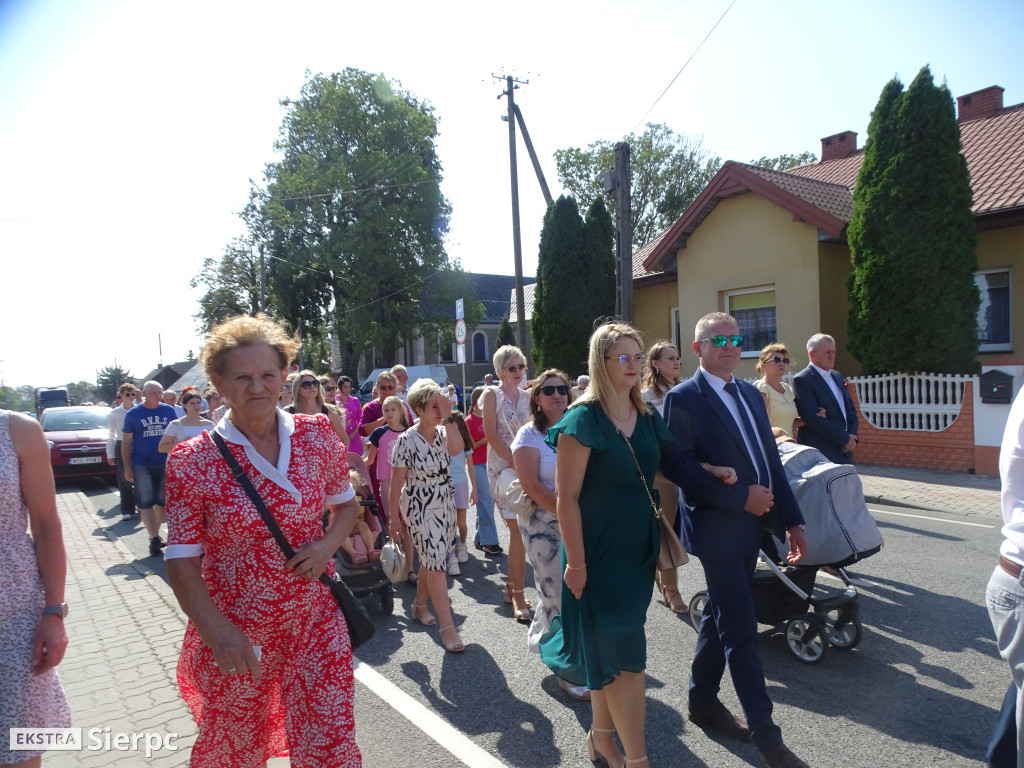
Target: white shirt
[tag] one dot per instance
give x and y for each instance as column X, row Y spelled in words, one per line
column 115, row 423
column 731, row 403
column 1011, row 470
column 831, row 381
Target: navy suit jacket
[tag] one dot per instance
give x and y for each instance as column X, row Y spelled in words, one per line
column 714, row 523
column 830, row 434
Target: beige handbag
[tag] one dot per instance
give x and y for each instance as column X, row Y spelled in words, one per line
column 511, row 490
column 392, row 561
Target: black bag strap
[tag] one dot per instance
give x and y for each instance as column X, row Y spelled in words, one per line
column 636, row 463
column 257, row 500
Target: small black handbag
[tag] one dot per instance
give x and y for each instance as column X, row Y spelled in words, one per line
column 360, row 626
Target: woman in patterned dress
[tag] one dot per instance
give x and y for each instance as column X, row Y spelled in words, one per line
column 266, row 663
column 32, row 571
column 506, row 409
column 422, row 488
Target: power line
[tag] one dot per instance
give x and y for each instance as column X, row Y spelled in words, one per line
column 683, row 67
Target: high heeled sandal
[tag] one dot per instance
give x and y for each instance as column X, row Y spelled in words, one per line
column 669, row 595
column 509, row 592
column 414, row 614
column 453, row 647
column 521, row 614
column 592, row 752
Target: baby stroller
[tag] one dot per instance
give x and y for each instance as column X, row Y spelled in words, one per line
column 367, row 578
column 839, row 531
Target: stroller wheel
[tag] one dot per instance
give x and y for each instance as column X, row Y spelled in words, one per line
column 387, row 600
column 697, row 603
column 845, row 638
column 805, row 639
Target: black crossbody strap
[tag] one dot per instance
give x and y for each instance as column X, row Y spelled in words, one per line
column 636, row 463
column 257, row 500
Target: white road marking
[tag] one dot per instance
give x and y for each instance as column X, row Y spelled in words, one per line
column 432, row 725
column 925, row 517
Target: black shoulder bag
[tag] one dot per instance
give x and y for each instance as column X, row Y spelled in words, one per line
column 360, row 626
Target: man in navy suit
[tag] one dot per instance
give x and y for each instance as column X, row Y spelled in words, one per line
column 819, row 386
column 719, row 420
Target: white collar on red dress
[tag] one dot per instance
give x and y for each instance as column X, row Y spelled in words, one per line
column 279, row 474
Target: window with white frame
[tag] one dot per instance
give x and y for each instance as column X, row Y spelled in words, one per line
column 754, row 310
column 479, row 347
column 994, row 310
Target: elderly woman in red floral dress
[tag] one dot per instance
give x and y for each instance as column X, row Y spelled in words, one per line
column 266, row 664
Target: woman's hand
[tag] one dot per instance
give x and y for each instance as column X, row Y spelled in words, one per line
column 48, row 644
column 445, row 404
column 575, row 579
column 232, row 652
column 310, row 560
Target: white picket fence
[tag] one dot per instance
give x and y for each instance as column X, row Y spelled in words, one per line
column 921, row 402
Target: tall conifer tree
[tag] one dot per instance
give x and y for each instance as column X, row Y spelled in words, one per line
column 913, row 301
column 599, row 257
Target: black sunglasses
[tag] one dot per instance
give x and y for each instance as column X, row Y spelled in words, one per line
column 307, row 384
column 329, row 389
column 550, row 389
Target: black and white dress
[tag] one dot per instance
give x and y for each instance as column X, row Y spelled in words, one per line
column 428, row 496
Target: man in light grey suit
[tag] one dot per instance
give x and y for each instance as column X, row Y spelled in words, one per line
column 820, row 386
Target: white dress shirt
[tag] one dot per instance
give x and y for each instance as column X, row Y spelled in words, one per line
column 1011, row 470
column 730, row 402
column 831, row 381
column 115, row 425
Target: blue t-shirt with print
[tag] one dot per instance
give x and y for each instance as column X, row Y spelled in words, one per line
column 146, row 426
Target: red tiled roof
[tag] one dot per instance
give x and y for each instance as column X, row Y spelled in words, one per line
column 821, row 193
column 994, row 150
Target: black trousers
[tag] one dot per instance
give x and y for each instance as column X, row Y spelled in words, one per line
column 126, row 489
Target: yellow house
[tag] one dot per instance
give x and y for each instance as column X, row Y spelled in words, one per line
column 769, row 247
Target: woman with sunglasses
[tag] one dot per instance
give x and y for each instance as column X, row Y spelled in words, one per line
column 610, row 543
column 535, row 467
column 662, row 375
column 779, row 397
column 506, row 409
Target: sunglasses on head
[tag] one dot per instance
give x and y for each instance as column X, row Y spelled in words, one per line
column 721, row 341
column 307, row 384
column 550, row 389
column 777, row 360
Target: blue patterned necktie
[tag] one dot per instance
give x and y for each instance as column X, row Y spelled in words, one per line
column 763, row 477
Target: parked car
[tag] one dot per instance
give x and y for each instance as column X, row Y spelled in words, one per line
column 77, row 436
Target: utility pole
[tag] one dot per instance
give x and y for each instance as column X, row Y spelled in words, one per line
column 619, row 180
column 517, row 244
column 533, row 156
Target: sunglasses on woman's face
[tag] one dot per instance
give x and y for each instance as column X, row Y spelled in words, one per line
column 783, row 360
column 550, row 389
column 329, row 389
column 307, row 384
column 516, row 368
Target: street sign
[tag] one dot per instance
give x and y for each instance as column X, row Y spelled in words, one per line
column 459, row 314
column 460, row 358
column 460, row 331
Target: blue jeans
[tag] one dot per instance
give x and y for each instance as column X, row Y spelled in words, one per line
column 150, row 482
column 484, row 531
column 1005, row 599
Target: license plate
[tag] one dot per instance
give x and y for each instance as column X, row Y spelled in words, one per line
column 86, row 460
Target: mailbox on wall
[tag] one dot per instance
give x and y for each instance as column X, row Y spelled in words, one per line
column 996, row 387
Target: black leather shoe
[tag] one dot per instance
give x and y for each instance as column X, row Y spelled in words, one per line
column 780, row 756
column 714, row 716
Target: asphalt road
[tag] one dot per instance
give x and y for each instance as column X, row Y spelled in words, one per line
column 922, row 688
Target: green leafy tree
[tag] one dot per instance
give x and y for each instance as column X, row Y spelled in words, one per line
column 598, row 273
column 913, row 300
column 785, row 162
column 561, row 322
column 108, row 380
column 17, row 399
column 352, row 214
column 232, row 285
column 668, row 171
column 82, row 392
column 506, row 336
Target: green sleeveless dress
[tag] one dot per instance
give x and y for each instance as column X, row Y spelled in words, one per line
column 602, row 634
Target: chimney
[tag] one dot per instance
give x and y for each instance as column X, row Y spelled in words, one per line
column 839, row 146
column 983, row 103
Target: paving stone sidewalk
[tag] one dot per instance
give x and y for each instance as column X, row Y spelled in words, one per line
column 951, row 492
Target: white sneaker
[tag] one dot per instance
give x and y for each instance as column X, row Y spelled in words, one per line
column 453, row 565
column 463, row 552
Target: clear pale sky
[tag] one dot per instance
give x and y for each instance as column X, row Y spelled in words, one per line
column 129, row 130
